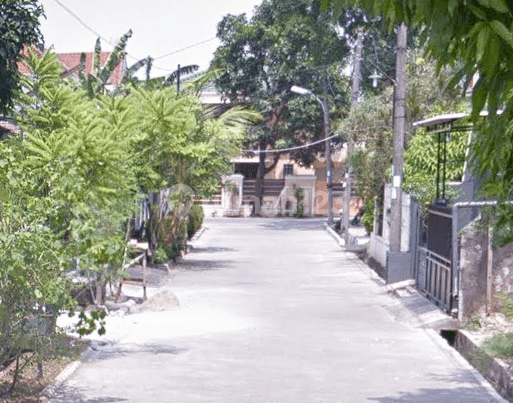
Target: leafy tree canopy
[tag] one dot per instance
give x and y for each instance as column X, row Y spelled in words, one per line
column 285, row 43
column 19, row 26
column 479, row 35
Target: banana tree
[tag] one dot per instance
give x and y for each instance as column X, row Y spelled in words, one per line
column 95, row 82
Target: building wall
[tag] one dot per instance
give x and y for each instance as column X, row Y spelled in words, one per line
column 380, row 244
column 277, row 172
column 473, row 268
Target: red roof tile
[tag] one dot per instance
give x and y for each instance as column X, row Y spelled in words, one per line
column 25, row 70
column 71, row 60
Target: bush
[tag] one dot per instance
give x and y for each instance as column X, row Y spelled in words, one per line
column 196, row 216
column 500, row 345
column 368, row 217
column 172, row 238
column 299, row 194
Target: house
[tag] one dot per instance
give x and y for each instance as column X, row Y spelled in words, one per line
column 238, row 191
column 72, row 66
column 446, row 254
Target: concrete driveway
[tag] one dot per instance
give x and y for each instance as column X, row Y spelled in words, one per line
column 271, row 310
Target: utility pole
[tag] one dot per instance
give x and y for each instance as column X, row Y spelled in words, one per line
column 329, row 169
column 399, row 131
column 355, row 92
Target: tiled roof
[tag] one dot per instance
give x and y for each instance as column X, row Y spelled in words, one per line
column 71, row 60
column 25, row 70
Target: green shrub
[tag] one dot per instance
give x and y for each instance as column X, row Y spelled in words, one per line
column 506, row 306
column 368, row 217
column 300, row 208
column 172, row 238
column 299, row 194
column 500, row 345
column 196, row 216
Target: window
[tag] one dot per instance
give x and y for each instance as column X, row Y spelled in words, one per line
column 288, row 169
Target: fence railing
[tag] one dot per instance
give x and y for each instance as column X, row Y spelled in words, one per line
column 435, row 277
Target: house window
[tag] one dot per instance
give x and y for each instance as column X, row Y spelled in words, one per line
column 288, row 169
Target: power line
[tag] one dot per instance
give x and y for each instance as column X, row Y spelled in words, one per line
column 281, row 150
column 187, row 47
column 97, row 34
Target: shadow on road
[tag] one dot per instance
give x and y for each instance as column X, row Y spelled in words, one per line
column 110, row 351
column 456, row 395
column 72, row 395
column 298, row 224
column 204, row 265
column 212, row 249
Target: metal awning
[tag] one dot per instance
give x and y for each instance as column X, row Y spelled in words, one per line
column 440, row 123
column 445, row 123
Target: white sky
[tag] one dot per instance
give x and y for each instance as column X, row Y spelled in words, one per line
column 159, row 27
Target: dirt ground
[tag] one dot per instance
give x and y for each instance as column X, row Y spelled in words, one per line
column 30, row 385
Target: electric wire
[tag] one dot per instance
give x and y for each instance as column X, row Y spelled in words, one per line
column 339, row 134
column 99, row 35
column 282, row 150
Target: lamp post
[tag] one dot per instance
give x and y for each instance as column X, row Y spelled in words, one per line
column 329, row 170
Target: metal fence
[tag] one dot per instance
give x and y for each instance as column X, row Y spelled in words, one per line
column 434, row 276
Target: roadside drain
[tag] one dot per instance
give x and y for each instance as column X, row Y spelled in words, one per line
column 494, row 370
column 450, row 336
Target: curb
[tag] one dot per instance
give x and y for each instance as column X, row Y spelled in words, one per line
column 72, row 367
column 66, row 373
column 432, row 325
column 493, row 369
column 342, row 243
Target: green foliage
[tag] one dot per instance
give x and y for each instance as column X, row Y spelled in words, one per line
column 478, row 37
column 420, row 164
column 87, row 324
column 173, row 236
column 507, row 306
column 69, row 184
column 368, row 217
column 284, row 44
column 19, row 27
column 186, row 150
column 94, row 83
column 473, row 323
column 196, row 216
column 299, row 194
column 68, row 191
column 369, row 127
column 500, row 345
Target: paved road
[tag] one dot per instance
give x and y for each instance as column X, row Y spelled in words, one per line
column 273, row 311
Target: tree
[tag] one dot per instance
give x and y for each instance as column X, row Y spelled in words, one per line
column 369, row 126
column 96, row 81
column 19, row 26
column 284, row 44
column 479, row 35
column 186, row 150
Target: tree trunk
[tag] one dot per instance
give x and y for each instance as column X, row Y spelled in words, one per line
column 259, row 184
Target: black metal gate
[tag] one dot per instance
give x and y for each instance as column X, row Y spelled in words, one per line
column 433, row 257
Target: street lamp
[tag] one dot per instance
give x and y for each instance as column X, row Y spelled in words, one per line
column 329, row 171
column 375, row 77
